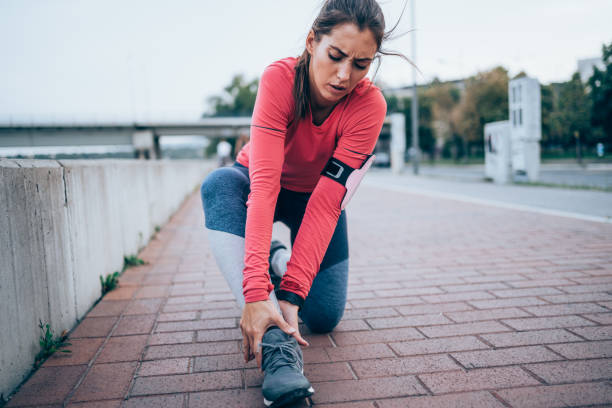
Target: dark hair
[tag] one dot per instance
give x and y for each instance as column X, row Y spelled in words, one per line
column 365, row 14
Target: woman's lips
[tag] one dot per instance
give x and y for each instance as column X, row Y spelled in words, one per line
column 336, row 89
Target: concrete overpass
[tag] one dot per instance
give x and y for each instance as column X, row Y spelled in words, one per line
column 144, row 137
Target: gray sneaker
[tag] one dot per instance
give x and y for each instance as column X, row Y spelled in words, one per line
column 282, row 361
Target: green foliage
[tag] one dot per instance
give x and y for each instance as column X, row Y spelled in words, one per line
column 601, row 94
column 110, row 282
column 485, row 100
column 571, row 113
column 132, row 260
column 157, row 228
column 238, row 98
column 49, row 344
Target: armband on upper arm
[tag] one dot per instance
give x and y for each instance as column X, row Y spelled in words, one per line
column 347, row 176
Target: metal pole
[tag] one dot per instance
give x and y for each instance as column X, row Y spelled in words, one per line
column 415, row 102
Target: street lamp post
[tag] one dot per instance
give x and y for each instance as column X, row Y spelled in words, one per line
column 415, row 156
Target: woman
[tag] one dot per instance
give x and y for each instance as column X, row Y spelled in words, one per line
column 314, row 127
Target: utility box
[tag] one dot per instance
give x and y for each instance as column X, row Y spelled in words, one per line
column 524, row 103
column 498, row 155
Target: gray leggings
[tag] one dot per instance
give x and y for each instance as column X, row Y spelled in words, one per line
column 224, row 195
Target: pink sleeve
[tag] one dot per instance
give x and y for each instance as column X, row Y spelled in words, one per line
column 273, row 108
column 358, row 139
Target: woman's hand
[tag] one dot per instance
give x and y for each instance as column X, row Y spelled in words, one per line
column 290, row 314
column 256, row 318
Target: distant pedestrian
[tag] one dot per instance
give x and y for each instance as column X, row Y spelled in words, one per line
column 316, row 122
column 224, row 151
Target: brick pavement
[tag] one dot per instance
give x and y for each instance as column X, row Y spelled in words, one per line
column 450, row 304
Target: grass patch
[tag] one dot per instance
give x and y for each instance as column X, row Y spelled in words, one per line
column 109, row 283
column 568, row 186
column 49, row 344
column 132, row 260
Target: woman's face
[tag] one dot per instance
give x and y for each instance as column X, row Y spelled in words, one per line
column 338, row 62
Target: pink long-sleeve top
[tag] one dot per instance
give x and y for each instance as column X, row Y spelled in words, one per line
column 288, row 153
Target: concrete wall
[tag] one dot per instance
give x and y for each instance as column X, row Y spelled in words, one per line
column 62, row 225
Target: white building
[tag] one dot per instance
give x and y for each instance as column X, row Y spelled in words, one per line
column 525, row 108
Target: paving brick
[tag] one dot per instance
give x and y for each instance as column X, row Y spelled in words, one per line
column 601, row 287
column 539, row 291
column 220, row 313
column 477, row 380
column 349, row 325
column 479, row 399
column 565, row 309
column 185, row 299
column 359, row 352
column 433, row 308
column 382, row 302
column 221, row 362
column 116, row 403
column 137, row 324
column 443, row 345
column 371, row 388
column 602, row 318
column 108, row 308
column 414, row 291
column 530, row 337
column 318, row 340
column 327, row 372
column 389, row 367
column 172, row 338
column 48, row 385
column 594, row 333
column 105, row 381
column 552, row 322
column 376, row 336
column 176, row 317
column 559, row 395
column 94, row 327
column 170, row 384
column 588, row 349
column 125, row 348
column 164, row 367
column 241, row 398
column 197, row 325
column 479, row 315
column 507, row 356
column 191, row 350
column 219, row 334
column 158, row 401
column 510, row 302
column 360, row 404
column 456, row 297
column 373, row 312
column 408, row 321
column 572, row 371
column 459, row 329
column 121, row 293
column 315, row 354
column 474, row 286
column 143, row 306
column 81, row 352
column 578, row 297
column 160, row 291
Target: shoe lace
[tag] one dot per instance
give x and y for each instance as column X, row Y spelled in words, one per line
column 274, row 360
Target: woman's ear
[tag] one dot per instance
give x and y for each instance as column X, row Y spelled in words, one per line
column 310, row 39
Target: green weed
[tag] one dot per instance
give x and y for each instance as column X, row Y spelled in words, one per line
column 110, row 282
column 132, row 260
column 49, row 344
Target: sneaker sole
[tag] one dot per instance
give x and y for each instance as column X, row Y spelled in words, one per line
column 289, row 398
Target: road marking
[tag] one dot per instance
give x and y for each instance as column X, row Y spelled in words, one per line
column 467, row 199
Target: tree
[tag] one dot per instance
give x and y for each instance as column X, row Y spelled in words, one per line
column 572, row 114
column 601, row 94
column 238, row 99
column 485, row 100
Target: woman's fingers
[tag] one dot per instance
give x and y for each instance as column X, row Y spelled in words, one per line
column 245, row 348
column 257, row 340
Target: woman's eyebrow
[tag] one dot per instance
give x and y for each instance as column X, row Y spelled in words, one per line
column 344, row 54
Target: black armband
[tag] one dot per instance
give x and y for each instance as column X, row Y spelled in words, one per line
column 290, row 297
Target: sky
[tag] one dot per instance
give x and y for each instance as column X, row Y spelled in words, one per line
column 147, row 60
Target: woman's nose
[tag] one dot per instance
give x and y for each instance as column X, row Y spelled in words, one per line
column 344, row 72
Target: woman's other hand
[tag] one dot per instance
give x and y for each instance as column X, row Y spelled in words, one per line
column 256, row 318
column 290, row 314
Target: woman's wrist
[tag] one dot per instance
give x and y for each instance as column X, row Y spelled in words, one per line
column 290, row 297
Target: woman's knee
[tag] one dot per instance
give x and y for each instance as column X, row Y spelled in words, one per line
column 322, row 321
column 223, row 179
